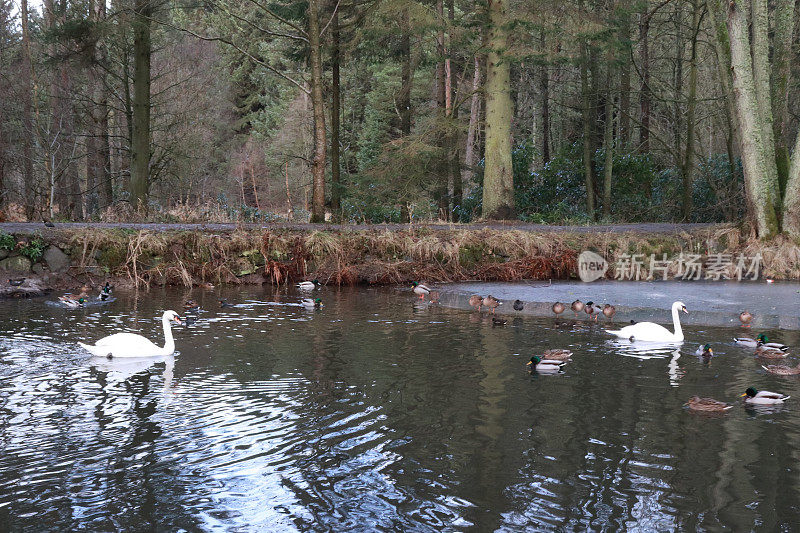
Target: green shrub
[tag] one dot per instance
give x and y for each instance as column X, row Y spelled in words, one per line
column 7, row 241
column 34, row 248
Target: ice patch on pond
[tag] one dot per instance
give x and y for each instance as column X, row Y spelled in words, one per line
column 710, row 303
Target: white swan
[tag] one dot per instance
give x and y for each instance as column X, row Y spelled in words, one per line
column 651, row 332
column 133, row 345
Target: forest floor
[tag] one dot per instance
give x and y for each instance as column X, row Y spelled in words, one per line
column 28, row 228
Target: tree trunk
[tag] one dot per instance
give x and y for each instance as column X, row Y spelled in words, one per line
column 623, row 135
column 781, row 77
column 608, row 141
column 318, row 105
column 443, row 170
column 544, row 88
column 404, row 96
column 645, row 97
column 586, row 118
column 97, row 145
column 336, row 190
column 761, row 67
column 677, row 86
column 688, row 163
column 140, row 141
column 28, row 132
column 498, row 180
column 472, row 130
column 759, row 170
column 453, row 159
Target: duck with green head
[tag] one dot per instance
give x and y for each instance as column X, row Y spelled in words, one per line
column 763, row 341
column 72, row 302
column 764, row 397
column 545, row 366
column 310, row 303
column 308, row 285
column 704, row 350
column 420, row 289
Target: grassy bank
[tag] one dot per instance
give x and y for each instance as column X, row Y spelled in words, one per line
column 382, row 256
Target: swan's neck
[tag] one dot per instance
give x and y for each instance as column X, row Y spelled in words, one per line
column 169, row 342
column 675, row 320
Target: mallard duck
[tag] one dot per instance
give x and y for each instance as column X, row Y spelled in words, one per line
column 763, row 340
column 782, row 370
column 767, row 352
column 746, row 341
column 85, row 290
column 577, row 307
column 476, row 301
column 496, row 321
column 190, row 306
column 206, row 285
column 308, row 285
column 72, row 302
column 490, row 302
column 609, row 310
column 420, row 289
column 545, row 366
column 556, row 354
column 16, row 282
column 704, row 350
column 763, row 397
column 224, row 303
column 105, row 292
column 309, row 303
column 518, row 305
column 558, row 308
column 696, row 403
column 590, row 310
column 745, row 317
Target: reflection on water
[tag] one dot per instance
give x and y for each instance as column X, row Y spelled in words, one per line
column 379, row 412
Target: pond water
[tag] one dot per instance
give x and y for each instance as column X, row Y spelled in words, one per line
column 380, row 413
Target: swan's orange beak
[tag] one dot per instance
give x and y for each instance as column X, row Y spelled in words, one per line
column 685, row 310
column 178, row 320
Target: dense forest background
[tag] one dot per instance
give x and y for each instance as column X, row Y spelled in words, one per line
column 391, row 110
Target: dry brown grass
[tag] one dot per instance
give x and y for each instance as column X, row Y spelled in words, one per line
column 379, row 257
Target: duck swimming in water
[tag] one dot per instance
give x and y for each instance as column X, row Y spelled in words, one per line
column 545, row 366
column 308, row 285
column 309, row 303
column 71, row 301
column 696, row 403
column 764, row 397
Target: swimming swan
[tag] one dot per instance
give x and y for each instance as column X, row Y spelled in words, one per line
column 133, row 345
column 650, row 332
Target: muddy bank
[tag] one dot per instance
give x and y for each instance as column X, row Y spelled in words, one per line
column 70, row 254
